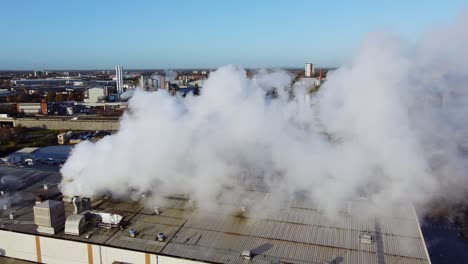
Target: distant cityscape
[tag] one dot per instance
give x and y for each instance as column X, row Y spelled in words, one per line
column 104, row 92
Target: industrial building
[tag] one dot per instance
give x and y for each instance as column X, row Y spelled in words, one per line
column 108, row 231
column 152, row 82
column 50, row 155
column 309, row 70
column 95, row 95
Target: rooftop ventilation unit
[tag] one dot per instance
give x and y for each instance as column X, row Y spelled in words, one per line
column 49, row 216
column 108, row 220
column 246, row 254
column 366, row 238
column 75, row 224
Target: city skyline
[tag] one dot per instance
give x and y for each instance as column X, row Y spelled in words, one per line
column 177, row 34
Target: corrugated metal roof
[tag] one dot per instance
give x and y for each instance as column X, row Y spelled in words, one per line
column 211, row 244
column 295, row 231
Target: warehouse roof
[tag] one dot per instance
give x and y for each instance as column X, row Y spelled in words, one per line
column 295, row 232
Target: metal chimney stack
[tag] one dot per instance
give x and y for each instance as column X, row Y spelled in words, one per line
column 77, row 204
column 86, row 204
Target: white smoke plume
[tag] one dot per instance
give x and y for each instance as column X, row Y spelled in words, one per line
column 390, row 125
column 171, row 75
column 128, row 94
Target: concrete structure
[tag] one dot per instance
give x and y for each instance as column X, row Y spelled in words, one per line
column 119, row 79
column 95, row 95
column 29, row 108
column 293, row 231
column 67, row 123
column 309, row 70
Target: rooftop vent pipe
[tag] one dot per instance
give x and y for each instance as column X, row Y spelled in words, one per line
column 133, row 232
column 86, row 204
column 76, row 204
column 161, row 237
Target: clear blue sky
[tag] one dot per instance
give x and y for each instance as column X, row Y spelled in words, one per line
column 95, row 34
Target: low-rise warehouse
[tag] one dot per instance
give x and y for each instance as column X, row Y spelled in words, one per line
column 177, row 232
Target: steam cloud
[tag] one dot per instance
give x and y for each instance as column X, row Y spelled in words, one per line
column 170, row 75
column 390, row 125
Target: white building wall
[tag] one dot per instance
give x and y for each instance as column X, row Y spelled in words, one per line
column 109, row 255
column 29, row 108
column 58, row 251
column 96, row 251
column 94, row 94
column 18, row 245
column 169, row 260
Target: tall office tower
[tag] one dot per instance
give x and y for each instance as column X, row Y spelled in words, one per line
column 309, row 70
column 119, row 78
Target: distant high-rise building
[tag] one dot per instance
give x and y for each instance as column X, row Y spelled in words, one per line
column 119, row 78
column 38, row 74
column 309, row 70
